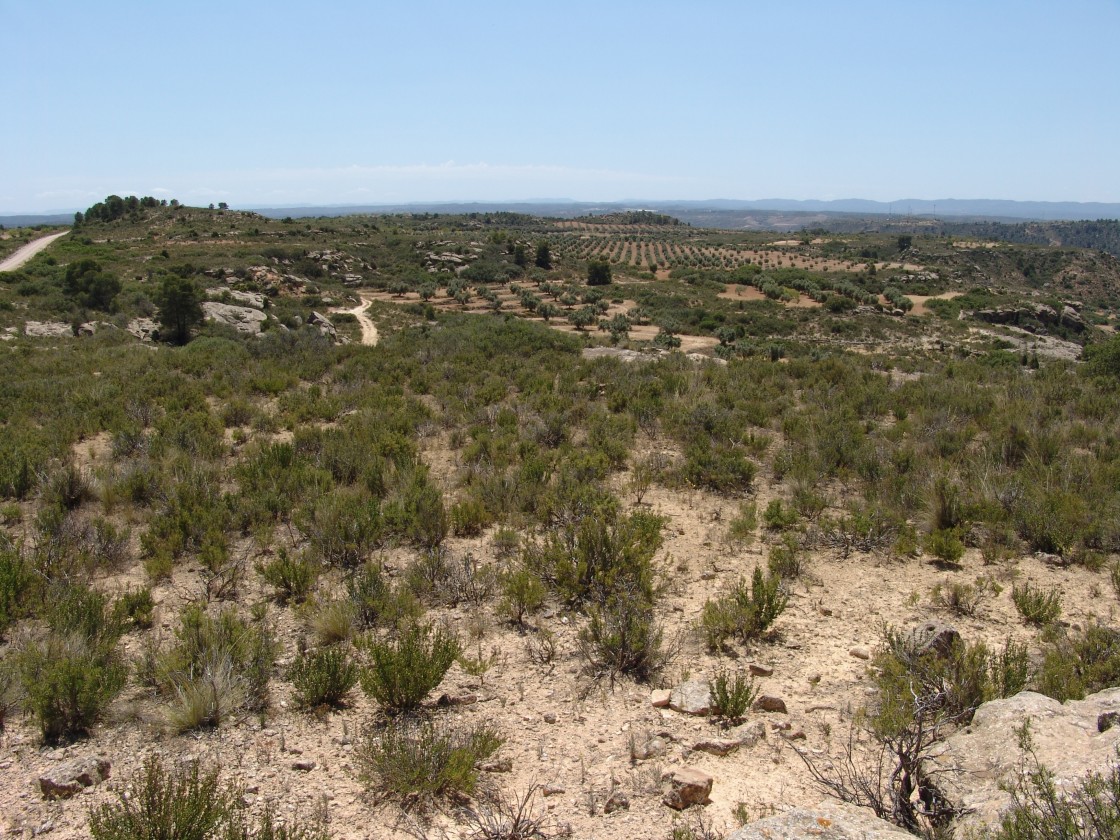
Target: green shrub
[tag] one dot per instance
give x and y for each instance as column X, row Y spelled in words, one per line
column 342, row 527
column 731, row 696
column 779, row 517
column 522, row 592
column 945, row 545
column 188, row 803
column 217, row 667
column 403, row 670
column 333, row 621
column 469, row 518
column 597, row 555
column 746, row 612
column 15, row 583
column 723, row 469
column 622, row 636
column 68, row 682
column 323, row 678
column 290, row 577
column 965, row 598
column 741, row 529
column 1081, row 664
column 417, row 763
column 376, row 602
column 786, row 559
column 1036, row 605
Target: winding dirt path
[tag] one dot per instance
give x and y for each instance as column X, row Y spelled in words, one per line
column 369, row 329
column 28, row 251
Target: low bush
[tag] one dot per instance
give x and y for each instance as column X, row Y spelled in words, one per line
column 291, row 577
column 1036, row 605
column 732, row 696
column 68, row 682
column 623, row 636
column 189, row 803
column 522, row 593
column 1079, row 664
column 746, row 612
column 964, row 598
column 376, row 602
column 417, row 763
column 323, row 678
column 403, row 670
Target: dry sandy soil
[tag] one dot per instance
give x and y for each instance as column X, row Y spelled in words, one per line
column 564, row 729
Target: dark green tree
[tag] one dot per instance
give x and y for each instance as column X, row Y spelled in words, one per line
column 90, row 286
column 180, row 308
column 544, row 255
column 598, row 273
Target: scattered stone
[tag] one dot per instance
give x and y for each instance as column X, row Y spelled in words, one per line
column 760, row 670
column 691, row 698
column 795, row 735
column 659, row 698
column 1107, row 720
column 497, row 765
column 782, row 726
column 550, row 717
column 466, row 699
column 303, row 765
column 860, row 652
column 766, row 703
column 67, row 779
column 814, row 678
column 687, row 787
column 717, row 746
column 553, row 790
column 749, row 734
column 618, row 801
column 830, row 819
column 652, row 747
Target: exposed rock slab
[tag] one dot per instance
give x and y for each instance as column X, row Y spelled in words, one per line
column 687, row 787
column 71, row 777
column 242, row 318
column 829, row 820
column 691, row 698
column 1065, row 738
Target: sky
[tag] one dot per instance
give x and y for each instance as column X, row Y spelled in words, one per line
column 267, row 104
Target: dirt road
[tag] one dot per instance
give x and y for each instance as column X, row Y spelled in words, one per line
column 28, row 251
column 369, row 329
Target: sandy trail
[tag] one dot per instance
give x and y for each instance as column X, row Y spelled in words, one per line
column 369, row 329
column 28, row 251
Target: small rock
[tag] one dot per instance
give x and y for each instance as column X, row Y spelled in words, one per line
column 1107, row 720
column 465, row 699
column 553, row 790
column 691, row 698
column 652, row 747
column 550, row 717
column 750, row 733
column 659, row 698
column 69, row 778
column 814, row 678
column 795, row 735
column 303, row 765
column 860, row 652
column 766, row 703
column 760, row 670
column 782, row 726
column 618, row 801
column 497, row 765
column 717, row 746
column 687, row 787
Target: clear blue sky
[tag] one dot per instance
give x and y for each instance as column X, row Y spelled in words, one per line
column 279, row 103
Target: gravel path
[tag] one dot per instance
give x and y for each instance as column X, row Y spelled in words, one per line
column 28, row 251
column 369, row 329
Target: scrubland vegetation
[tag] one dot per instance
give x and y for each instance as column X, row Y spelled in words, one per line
column 338, row 524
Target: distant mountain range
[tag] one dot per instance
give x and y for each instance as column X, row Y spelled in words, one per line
column 790, row 214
